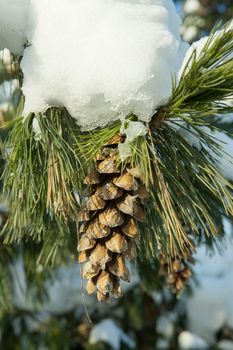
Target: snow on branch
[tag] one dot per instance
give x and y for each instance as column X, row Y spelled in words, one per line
column 111, row 59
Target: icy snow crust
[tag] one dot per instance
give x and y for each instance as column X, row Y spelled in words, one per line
column 101, row 59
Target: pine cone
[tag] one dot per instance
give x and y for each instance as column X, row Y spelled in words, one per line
column 108, row 230
column 178, row 272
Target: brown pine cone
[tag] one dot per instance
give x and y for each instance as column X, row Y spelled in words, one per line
column 108, row 229
column 178, row 272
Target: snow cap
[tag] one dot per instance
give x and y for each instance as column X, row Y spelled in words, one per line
column 101, row 59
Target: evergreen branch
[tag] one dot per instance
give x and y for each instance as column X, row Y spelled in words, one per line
column 181, row 176
column 90, row 143
column 207, row 80
column 44, row 171
column 38, row 172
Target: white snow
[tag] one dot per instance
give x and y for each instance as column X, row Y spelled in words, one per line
column 191, row 6
column 226, row 161
column 211, row 305
column 189, row 341
column 225, row 345
column 7, row 89
column 5, row 56
column 101, row 59
column 162, row 344
column 13, row 14
column 132, row 131
column 189, row 33
column 226, row 118
column 36, row 129
column 64, row 290
column 108, row 332
column 165, row 325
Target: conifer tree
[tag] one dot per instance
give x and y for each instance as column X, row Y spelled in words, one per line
column 143, row 182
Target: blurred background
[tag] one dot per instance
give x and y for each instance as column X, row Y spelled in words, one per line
column 51, row 312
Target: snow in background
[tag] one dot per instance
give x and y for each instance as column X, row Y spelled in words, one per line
column 209, row 308
column 7, row 88
column 113, row 58
column 189, row 32
column 13, row 15
column 6, row 91
column 64, row 290
column 5, row 56
column 211, row 305
column 107, row 331
column 225, row 159
column 190, row 341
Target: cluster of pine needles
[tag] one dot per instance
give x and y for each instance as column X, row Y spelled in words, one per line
column 45, row 166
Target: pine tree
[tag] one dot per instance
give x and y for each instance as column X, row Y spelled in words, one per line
column 154, row 206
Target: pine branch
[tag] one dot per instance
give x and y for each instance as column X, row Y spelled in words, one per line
column 181, row 175
column 207, row 80
column 45, row 167
column 45, row 171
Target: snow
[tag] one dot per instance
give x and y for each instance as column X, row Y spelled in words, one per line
column 166, row 325
column 162, row 344
column 189, row 341
column 225, row 345
column 211, row 306
column 13, row 14
column 5, row 56
column 226, row 161
column 197, row 46
column 64, row 290
column 191, row 6
column 189, row 33
column 226, row 118
column 114, row 58
column 107, row 331
column 36, row 129
column 132, row 131
column 7, row 89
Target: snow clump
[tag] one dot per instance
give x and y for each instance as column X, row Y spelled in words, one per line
column 101, row 59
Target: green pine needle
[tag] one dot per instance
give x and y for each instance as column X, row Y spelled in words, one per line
column 186, row 185
column 41, row 177
column 181, row 176
column 207, row 80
